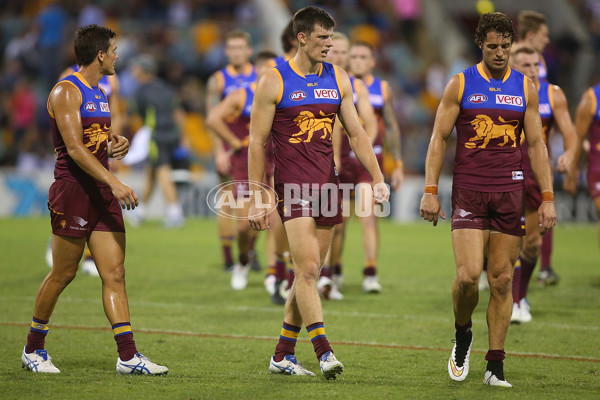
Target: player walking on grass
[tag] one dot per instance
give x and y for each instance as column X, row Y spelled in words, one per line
column 491, row 106
column 298, row 101
column 85, row 202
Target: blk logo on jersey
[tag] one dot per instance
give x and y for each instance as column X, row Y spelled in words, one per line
column 509, row 100
column 104, row 107
column 477, row 98
column 89, row 106
column 298, row 95
column 326, row 94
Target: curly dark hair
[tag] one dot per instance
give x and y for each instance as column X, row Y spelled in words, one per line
column 89, row 40
column 494, row 22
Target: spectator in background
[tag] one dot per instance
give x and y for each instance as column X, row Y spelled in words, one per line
column 51, row 22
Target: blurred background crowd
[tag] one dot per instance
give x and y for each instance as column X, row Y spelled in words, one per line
column 419, row 45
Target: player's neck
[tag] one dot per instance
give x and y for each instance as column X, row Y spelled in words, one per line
column 240, row 68
column 92, row 74
column 494, row 74
column 305, row 65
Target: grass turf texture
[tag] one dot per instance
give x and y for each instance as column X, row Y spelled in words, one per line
column 217, row 342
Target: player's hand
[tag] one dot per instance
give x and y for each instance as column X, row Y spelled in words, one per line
column 431, row 208
column 119, row 146
column 397, row 178
column 564, row 163
column 222, row 163
column 381, row 192
column 258, row 218
column 546, row 216
column 125, row 195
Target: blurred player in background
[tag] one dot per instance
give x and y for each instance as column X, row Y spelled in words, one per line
column 554, row 111
column 239, row 73
column 349, row 168
column 85, row 203
column 296, row 104
column 230, row 121
column 491, row 106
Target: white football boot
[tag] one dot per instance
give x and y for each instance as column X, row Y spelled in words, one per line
column 38, row 361
column 490, row 379
column 140, row 365
column 288, row 366
column 460, row 350
column 330, row 366
column 239, row 276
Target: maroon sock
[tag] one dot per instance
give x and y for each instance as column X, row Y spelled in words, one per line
column 124, row 338
column 463, row 329
column 244, row 259
column 370, row 270
column 37, row 335
column 291, row 277
column 516, row 282
column 337, row 269
column 287, row 341
column 495, row 355
column 280, row 270
column 226, row 245
column 527, row 267
column 546, row 250
column 316, row 332
column 325, row 271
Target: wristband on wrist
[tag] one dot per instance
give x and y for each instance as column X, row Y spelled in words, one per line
column 547, row 196
column 431, row 190
column 399, row 164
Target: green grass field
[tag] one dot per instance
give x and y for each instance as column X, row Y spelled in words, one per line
column 217, row 342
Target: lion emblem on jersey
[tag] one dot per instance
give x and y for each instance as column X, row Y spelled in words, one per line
column 309, row 124
column 487, row 130
column 97, row 136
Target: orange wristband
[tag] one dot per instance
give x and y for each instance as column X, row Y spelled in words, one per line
column 431, row 189
column 399, row 164
column 547, row 196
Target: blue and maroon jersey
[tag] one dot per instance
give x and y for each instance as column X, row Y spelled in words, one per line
column 378, row 95
column 104, row 83
column 240, row 124
column 303, row 124
column 545, row 92
column 232, row 80
column 345, row 149
column 95, row 121
column 594, row 134
column 488, row 127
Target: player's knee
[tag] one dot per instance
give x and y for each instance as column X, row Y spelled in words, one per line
column 467, row 280
column 500, row 285
column 114, row 273
column 310, row 272
column 532, row 245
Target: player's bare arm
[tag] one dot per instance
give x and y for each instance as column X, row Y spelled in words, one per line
column 230, row 106
column 392, row 138
column 584, row 116
column 567, row 129
column 64, row 103
column 365, row 110
column 336, row 138
column 261, row 121
column 445, row 118
column 359, row 142
column 214, row 88
column 538, row 154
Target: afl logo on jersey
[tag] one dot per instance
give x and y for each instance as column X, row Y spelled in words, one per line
column 298, row 95
column 89, row 106
column 477, row 98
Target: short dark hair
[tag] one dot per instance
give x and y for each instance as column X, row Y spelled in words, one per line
column 522, row 49
column 361, row 43
column 89, row 40
column 264, row 55
column 239, row 34
column 306, row 19
column 288, row 39
column 494, row 22
column 529, row 21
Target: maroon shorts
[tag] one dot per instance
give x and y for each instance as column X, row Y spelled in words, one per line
column 501, row 211
column 324, row 205
column 533, row 195
column 594, row 183
column 77, row 211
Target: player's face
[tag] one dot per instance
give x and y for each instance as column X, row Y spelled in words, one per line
column 361, row 61
column 318, row 43
column 338, row 54
column 496, row 50
column 528, row 64
column 109, row 58
column 539, row 40
column 237, row 51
